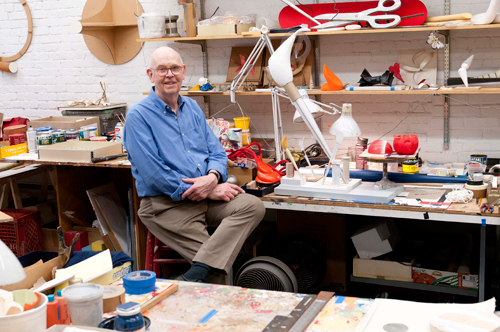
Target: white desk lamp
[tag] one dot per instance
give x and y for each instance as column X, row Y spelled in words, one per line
column 11, row 270
column 281, row 72
column 306, row 109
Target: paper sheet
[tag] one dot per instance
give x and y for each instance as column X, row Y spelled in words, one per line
column 90, row 268
column 414, row 315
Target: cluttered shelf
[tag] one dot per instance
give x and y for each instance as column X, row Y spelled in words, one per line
column 447, row 91
column 323, row 33
column 416, row 286
column 117, row 163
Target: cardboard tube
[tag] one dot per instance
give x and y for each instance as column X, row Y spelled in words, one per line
column 292, row 91
column 445, row 18
column 113, row 296
column 9, row 67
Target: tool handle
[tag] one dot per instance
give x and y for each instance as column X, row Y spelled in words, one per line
column 445, row 18
column 293, row 161
column 96, row 160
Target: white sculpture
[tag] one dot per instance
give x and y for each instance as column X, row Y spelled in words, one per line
column 490, row 15
column 462, row 72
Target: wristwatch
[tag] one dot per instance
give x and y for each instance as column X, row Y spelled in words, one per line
column 217, row 175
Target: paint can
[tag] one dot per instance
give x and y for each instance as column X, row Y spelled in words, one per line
column 58, row 136
column 92, row 132
column 480, row 158
column 84, row 135
column 15, row 139
column 44, row 138
column 72, row 135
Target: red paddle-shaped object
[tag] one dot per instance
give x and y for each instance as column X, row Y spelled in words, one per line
column 289, row 17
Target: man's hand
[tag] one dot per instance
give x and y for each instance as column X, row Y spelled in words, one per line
column 202, row 186
column 225, row 192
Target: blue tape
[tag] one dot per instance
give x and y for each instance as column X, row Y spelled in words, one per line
column 340, row 299
column 208, row 316
column 139, row 282
column 483, row 222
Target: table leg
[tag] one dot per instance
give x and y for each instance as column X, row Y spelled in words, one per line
column 482, row 262
column 16, row 195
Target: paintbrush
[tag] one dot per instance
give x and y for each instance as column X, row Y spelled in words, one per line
column 285, row 147
column 301, row 145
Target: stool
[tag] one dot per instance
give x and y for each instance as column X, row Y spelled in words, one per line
column 154, row 247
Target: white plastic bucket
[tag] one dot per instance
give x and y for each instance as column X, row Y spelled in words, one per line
column 151, row 25
column 34, row 320
column 85, row 303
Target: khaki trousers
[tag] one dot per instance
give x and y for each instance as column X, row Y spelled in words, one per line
column 183, row 226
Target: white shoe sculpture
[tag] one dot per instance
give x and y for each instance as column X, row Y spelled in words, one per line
column 490, row 15
column 462, row 72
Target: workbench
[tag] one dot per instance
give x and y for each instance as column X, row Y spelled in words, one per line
column 73, row 179
column 277, row 202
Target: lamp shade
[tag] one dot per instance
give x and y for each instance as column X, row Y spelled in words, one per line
column 279, row 63
column 11, row 270
column 313, row 108
column 346, row 124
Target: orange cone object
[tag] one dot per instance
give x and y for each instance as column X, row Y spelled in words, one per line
column 333, row 82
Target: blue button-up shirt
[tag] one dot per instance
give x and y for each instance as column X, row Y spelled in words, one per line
column 164, row 148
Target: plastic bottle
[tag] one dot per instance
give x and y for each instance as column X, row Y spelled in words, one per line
column 32, row 144
column 361, row 146
column 118, row 132
column 63, row 309
column 129, row 318
column 53, row 316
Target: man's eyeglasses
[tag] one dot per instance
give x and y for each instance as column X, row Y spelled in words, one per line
column 162, row 71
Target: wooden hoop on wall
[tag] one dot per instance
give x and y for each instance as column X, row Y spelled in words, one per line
column 28, row 38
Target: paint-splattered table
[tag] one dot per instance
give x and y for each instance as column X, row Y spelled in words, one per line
column 220, row 308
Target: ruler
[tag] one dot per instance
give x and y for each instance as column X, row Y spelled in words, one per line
column 301, row 316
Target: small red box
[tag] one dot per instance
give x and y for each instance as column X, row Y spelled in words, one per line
column 82, row 241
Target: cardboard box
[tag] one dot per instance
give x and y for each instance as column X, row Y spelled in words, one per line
column 67, row 122
column 114, row 275
column 79, row 151
column 239, row 56
column 13, row 150
column 376, row 239
column 222, row 29
column 379, row 269
column 243, row 174
column 50, row 242
column 445, row 278
column 34, row 273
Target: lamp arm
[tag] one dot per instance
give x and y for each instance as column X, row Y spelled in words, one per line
column 249, row 64
column 282, row 93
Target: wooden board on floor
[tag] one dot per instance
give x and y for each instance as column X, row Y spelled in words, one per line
column 114, row 218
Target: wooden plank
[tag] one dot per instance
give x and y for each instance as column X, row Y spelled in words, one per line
column 163, row 295
column 115, row 218
column 323, row 33
column 16, row 195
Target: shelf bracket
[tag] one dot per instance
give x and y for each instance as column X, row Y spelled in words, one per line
column 446, row 106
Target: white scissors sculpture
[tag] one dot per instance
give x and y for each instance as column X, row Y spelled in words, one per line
column 339, row 19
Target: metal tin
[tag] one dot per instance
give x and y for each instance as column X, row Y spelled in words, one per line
column 58, row 136
column 480, row 158
column 16, row 139
column 84, row 135
column 44, row 138
column 410, row 166
column 92, row 132
column 72, row 134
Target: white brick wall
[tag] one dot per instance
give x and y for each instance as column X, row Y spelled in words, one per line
column 59, row 67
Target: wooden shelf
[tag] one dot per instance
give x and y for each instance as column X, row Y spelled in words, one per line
column 461, row 91
column 322, row 33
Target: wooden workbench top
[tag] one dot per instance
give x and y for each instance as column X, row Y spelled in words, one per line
column 279, row 199
column 115, row 163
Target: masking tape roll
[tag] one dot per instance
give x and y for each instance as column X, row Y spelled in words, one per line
column 139, row 282
column 113, row 296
